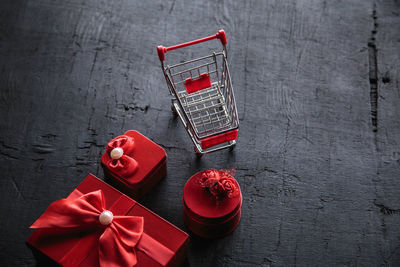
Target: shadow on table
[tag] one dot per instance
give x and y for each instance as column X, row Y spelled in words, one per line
column 41, row 259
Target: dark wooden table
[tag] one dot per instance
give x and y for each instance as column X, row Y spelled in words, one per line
column 318, row 96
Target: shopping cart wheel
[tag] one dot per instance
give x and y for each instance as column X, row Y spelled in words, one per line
column 173, row 110
column 198, row 154
column 233, row 144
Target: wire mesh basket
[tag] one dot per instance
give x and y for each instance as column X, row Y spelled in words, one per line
column 202, row 96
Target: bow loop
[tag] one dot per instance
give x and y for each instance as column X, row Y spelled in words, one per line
column 119, row 161
column 125, row 142
column 117, row 242
column 71, row 213
column 125, row 166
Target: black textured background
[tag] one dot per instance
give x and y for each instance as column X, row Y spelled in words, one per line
column 318, row 96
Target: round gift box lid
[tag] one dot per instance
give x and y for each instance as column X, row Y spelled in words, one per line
column 212, row 196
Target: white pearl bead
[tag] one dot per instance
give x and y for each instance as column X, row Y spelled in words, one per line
column 116, row 153
column 106, row 217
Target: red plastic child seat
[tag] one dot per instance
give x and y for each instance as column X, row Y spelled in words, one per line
column 194, row 85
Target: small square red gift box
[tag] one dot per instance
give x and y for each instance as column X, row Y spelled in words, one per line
column 96, row 225
column 134, row 164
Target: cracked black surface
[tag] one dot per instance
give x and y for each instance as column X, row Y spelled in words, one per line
column 318, row 97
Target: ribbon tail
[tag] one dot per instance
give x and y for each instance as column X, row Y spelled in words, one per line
column 124, row 166
column 112, row 252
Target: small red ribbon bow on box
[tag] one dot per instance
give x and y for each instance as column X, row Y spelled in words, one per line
column 219, row 184
column 119, row 161
column 121, row 233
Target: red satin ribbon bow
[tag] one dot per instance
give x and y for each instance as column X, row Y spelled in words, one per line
column 117, row 242
column 124, row 166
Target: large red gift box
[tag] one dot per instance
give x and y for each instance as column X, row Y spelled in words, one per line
column 160, row 243
column 134, row 164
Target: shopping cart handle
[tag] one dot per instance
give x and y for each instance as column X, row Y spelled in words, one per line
column 161, row 50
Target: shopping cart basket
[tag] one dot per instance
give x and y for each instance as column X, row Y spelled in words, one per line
column 202, row 96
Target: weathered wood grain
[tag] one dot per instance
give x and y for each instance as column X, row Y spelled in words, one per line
column 317, row 89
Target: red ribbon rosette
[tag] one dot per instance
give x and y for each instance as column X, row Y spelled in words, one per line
column 220, row 184
column 119, row 160
column 120, row 234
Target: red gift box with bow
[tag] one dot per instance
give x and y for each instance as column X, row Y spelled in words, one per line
column 134, row 164
column 212, row 203
column 97, row 225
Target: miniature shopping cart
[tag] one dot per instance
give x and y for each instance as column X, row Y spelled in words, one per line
column 202, row 96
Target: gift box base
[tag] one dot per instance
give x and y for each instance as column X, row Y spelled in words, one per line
column 212, row 231
column 137, row 191
column 42, row 260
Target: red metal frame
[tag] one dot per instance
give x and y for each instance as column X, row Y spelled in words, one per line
column 161, row 50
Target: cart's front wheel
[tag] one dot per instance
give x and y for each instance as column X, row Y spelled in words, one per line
column 198, row 154
column 232, row 144
column 174, row 110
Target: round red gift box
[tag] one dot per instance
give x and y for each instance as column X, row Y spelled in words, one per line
column 208, row 216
